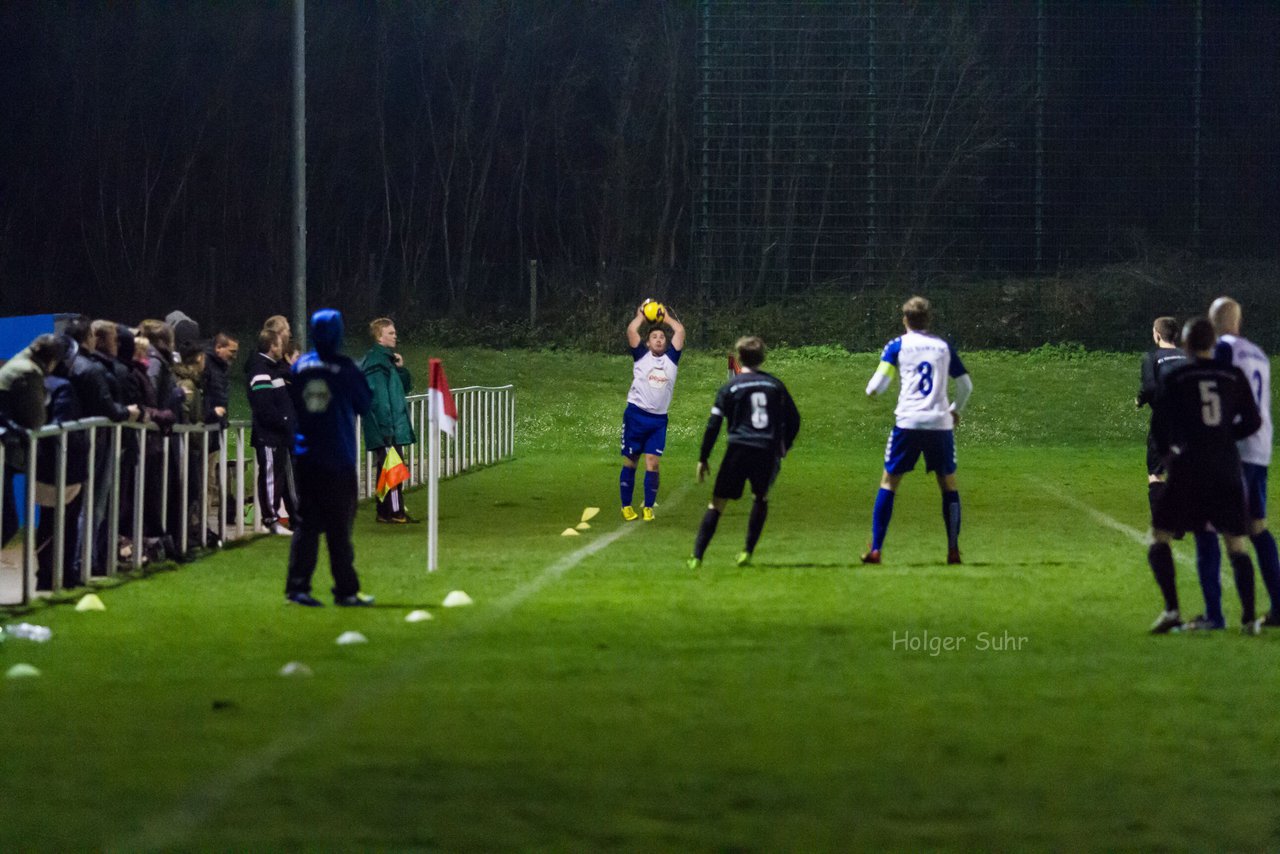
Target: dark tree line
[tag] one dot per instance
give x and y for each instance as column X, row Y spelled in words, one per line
column 447, row 144
column 145, row 149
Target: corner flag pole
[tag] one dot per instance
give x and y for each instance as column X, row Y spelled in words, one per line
column 442, row 416
column 433, row 484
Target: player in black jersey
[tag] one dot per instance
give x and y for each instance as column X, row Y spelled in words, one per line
column 1156, row 365
column 763, row 423
column 1200, row 413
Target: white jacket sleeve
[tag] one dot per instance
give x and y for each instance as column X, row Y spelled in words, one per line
column 964, row 388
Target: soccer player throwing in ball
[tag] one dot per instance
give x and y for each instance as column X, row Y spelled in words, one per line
column 924, row 420
column 644, row 422
column 763, row 423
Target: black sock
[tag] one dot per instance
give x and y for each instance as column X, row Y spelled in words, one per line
column 1155, row 489
column 755, row 522
column 1160, row 556
column 1242, row 566
column 706, row 531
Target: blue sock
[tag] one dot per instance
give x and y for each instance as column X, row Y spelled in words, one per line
column 880, row 517
column 1269, row 566
column 951, row 518
column 650, row 488
column 1208, row 567
column 627, row 485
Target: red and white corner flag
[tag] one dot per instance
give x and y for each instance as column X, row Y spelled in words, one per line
column 442, row 405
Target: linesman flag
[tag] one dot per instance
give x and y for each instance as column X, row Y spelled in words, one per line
column 441, row 399
column 394, row 472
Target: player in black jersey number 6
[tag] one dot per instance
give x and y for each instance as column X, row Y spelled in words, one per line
column 763, row 423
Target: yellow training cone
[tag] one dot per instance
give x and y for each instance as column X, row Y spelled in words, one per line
column 90, row 602
column 583, row 526
column 590, row 513
column 568, row 532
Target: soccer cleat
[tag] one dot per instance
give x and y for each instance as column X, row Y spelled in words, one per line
column 629, row 514
column 1252, row 627
column 355, row 600
column 277, row 528
column 304, row 599
column 1166, row 622
column 394, row 520
column 647, row 514
column 405, row 518
column 1201, row 623
column 1272, row 620
column 743, row 558
column 871, row 556
column 953, row 556
column 693, row 562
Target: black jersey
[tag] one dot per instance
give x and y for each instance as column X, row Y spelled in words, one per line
column 761, row 414
column 1156, row 367
column 1203, row 409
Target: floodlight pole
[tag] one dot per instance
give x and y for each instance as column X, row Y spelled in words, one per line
column 299, row 321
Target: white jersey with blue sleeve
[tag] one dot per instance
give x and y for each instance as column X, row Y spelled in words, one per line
column 924, row 362
column 1249, row 358
column 653, row 379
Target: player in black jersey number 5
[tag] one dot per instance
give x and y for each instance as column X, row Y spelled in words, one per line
column 763, row 423
column 1202, row 410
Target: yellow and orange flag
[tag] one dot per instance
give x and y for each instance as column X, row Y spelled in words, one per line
column 394, row 472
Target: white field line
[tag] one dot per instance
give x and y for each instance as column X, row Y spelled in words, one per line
column 1143, row 537
column 175, row 828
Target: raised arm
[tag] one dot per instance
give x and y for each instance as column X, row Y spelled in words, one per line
column 633, row 329
column 677, row 330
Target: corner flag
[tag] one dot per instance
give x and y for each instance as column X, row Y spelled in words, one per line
column 442, row 405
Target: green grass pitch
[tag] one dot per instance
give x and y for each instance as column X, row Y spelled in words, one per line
column 600, row 696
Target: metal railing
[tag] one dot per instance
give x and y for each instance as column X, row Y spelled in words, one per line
column 128, row 454
column 484, row 434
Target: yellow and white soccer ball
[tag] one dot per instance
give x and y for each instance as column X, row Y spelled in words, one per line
column 653, row 310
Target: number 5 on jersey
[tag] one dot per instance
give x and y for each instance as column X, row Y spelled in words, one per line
column 1210, row 403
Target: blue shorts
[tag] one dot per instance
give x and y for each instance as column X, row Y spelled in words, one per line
column 1255, row 490
column 905, row 447
column 642, row 432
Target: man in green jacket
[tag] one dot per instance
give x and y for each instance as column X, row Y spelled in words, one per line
column 387, row 423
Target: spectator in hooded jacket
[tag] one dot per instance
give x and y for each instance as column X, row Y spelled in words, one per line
column 22, row 408
column 387, row 425
column 272, row 437
column 328, row 393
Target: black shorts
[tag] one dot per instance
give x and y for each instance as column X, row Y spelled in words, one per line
column 1196, row 496
column 1155, row 462
column 743, row 463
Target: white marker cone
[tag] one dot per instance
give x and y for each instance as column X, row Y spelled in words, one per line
column 347, row 638
column 295, row 668
column 418, row 616
column 456, row 599
column 21, row 671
